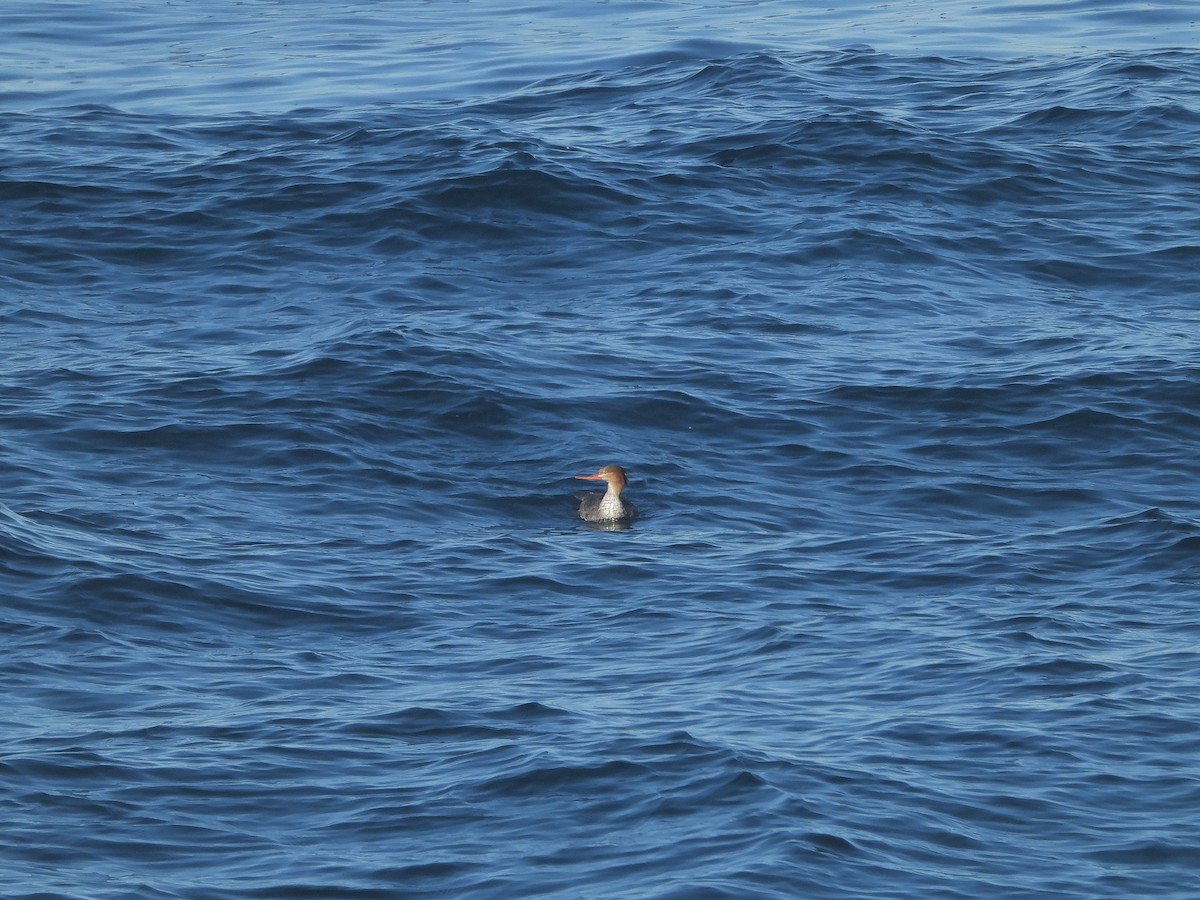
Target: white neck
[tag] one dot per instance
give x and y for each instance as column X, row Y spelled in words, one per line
column 611, row 505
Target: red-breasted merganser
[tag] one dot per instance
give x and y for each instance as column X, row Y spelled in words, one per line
column 606, row 507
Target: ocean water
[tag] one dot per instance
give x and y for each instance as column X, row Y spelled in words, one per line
column 311, row 311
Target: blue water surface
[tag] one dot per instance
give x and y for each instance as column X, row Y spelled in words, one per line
column 311, row 311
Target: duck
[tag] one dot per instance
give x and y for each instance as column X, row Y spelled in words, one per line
column 606, row 507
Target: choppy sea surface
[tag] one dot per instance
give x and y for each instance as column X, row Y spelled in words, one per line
column 311, row 311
